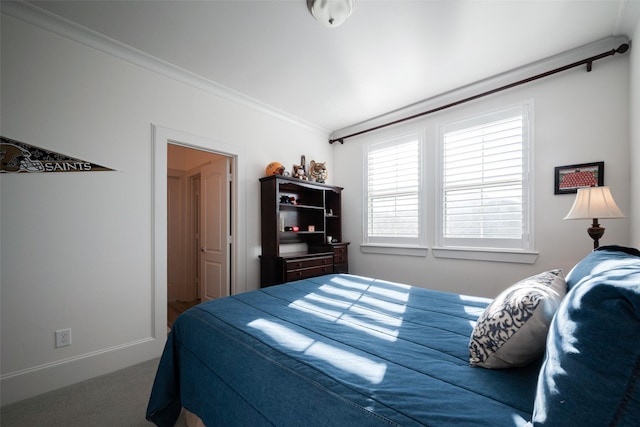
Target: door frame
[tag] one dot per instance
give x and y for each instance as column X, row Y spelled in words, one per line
column 161, row 136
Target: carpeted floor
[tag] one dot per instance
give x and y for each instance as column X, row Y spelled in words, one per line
column 114, row 400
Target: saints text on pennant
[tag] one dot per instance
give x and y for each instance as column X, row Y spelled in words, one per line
column 19, row 157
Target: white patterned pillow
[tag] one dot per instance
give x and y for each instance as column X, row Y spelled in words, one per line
column 512, row 330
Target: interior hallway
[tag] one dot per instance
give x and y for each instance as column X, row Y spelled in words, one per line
column 175, row 308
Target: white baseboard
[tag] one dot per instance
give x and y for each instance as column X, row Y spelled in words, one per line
column 31, row 382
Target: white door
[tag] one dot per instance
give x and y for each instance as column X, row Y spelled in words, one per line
column 215, row 239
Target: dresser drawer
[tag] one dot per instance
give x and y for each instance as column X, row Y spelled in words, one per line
column 303, row 268
column 297, row 264
column 305, row 273
column 340, row 254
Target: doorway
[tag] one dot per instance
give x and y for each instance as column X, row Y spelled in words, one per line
column 199, row 236
column 163, row 138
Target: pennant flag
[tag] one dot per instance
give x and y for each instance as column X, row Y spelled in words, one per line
column 19, row 157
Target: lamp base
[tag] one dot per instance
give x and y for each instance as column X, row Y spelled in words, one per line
column 596, row 232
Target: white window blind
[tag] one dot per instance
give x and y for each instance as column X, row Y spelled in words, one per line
column 393, row 192
column 485, row 188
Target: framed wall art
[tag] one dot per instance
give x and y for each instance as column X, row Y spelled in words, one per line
column 571, row 177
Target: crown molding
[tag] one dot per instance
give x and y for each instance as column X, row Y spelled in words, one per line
column 48, row 21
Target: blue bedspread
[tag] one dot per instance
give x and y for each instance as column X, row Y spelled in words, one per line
column 335, row 350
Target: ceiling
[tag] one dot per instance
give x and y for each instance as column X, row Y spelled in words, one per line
column 387, row 55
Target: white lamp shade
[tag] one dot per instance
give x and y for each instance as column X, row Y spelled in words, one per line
column 594, row 202
column 331, row 13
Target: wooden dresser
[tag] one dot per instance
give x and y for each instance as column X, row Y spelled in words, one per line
column 295, row 214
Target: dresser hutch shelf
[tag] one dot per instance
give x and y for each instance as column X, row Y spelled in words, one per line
column 302, row 215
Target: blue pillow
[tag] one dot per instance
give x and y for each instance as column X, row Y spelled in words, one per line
column 593, row 263
column 591, row 372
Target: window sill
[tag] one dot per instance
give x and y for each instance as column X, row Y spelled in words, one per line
column 418, row 251
column 481, row 254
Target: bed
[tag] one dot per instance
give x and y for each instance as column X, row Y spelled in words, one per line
column 349, row 350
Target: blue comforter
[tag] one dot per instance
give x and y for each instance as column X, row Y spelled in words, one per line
column 335, row 350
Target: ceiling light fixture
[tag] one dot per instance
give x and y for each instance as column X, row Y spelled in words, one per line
column 331, row 13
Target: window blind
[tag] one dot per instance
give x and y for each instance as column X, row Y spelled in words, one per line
column 484, row 188
column 393, row 190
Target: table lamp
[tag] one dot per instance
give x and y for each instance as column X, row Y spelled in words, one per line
column 594, row 203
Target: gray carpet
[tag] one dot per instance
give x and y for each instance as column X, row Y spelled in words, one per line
column 118, row 399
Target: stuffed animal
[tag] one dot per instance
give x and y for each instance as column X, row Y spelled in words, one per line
column 318, row 171
column 298, row 172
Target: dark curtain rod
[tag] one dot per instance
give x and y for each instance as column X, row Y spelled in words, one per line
column 588, row 62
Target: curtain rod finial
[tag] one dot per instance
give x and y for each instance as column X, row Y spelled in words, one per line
column 623, row 48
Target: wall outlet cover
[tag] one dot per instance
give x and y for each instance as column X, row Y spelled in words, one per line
column 63, row 338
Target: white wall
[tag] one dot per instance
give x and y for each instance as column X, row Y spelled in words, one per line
column 579, row 117
column 634, row 158
column 77, row 248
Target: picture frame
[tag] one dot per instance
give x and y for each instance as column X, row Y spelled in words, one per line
column 568, row 179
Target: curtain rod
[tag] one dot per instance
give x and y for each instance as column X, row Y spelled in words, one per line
column 588, row 62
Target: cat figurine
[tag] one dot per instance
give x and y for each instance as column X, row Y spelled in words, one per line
column 318, row 171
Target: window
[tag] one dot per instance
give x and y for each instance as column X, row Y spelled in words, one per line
column 485, row 186
column 393, row 193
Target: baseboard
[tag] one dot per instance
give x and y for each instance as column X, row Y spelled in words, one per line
column 31, row 382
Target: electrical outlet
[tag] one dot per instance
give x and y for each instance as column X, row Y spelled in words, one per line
column 63, row 338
